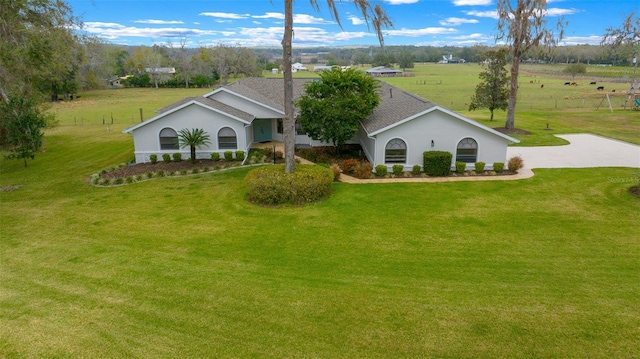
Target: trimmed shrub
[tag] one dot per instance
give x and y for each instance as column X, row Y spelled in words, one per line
column 437, row 163
column 397, row 170
column 271, row 185
column 279, row 155
column 349, row 164
column 461, row 167
column 228, row 155
column 153, row 158
column 363, row 170
column 268, row 151
column 160, row 173
column 183, row 172
column 336, row 172
column 119, row 180
column 177, row 157
column 149, row 174
column 416, row 170
column 480, row 166
column 129, row 179
column 498, row 167
column 166, row 158
column 381, row 170
column 215, row 156
column 205, row 169
column 105, row 182
column 240, row 155
column 139, row 178
column 195, row 170
column 515, row 163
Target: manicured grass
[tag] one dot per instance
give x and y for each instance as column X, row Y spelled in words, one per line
column 185, row 267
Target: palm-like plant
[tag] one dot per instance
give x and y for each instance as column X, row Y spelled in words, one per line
column 193, row 138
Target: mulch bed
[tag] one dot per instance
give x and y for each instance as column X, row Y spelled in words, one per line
column 133, row 170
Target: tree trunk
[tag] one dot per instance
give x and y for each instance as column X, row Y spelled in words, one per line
column 491, row 119
column 289, row 120
column 513, row 94
column 193, row 154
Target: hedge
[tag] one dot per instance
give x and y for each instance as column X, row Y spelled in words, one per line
column 271, row 185
column 437, row 163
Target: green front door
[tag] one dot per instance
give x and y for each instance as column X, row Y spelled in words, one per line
column 261, row 130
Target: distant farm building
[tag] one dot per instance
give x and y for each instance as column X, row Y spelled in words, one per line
column 322, row 68
column 451, row 60
column 298, row 67
column 381, row 71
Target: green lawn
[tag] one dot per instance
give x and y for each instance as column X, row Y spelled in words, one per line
column 185, row 267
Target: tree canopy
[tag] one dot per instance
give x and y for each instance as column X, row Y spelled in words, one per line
column 193, row 138
column 492, row 92
column 332, row 108
column 524, row 26
column 39, row 58
column 373, row 15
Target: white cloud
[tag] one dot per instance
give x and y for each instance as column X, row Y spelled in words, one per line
column 491, row 14
column 400, row 2
column 421, row 32
column 456, row 21
column 270, row 15
column 309, row 19
column 225, row 15
column 554, row 11
column 158, row 22
column 582, row 40
column 356, row 20
column 471, row 2
column 115, row 31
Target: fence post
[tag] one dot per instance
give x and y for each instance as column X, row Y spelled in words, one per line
column 140, row 114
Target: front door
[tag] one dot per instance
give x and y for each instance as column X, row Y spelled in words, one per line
column 262, row 130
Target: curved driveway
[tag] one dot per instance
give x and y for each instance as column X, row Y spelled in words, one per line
column 584, row 150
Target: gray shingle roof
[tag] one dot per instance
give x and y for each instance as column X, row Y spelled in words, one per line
column 395, row 105
column 269, row 91
column 213, row 104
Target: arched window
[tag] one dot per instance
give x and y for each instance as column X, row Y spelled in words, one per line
column 395, row 151
column 227, row 139
column 467, row 150
column 169, row 139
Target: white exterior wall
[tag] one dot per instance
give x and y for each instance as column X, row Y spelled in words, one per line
column 147, row 138
column 446, row 131
column 368, row 144
column 245, row 105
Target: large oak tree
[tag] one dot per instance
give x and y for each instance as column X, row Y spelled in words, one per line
column 523, row 24
column 39, row 55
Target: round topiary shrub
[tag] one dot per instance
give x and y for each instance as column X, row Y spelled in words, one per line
column 437, row 163
column 271, row 185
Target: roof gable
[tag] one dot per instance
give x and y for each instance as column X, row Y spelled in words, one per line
column 209, row 104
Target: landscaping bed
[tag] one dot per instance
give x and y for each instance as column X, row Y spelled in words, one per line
column 350, row 160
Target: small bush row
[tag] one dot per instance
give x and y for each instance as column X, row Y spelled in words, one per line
column 215, row 156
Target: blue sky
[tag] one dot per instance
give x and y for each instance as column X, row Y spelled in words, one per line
column 252, row 23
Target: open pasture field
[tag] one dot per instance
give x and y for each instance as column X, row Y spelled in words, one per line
column 185, row 267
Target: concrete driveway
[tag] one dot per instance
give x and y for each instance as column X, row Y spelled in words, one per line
column 584, row 150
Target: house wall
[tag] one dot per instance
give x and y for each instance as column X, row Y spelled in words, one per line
column 245, row 105
column 446, row 131
column 367, row 143
column 147, row 140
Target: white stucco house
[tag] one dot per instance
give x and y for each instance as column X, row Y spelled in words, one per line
column 251, row 110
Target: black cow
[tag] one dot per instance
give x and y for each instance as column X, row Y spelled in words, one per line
column 592, row 83
column 600, row 88
column 567, row 83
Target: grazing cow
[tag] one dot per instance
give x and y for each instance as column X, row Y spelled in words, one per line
column 600, row 88
column 567, row 83
column 613, row 90
column 574, row 84
column 542, row 86
column 592, row 83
